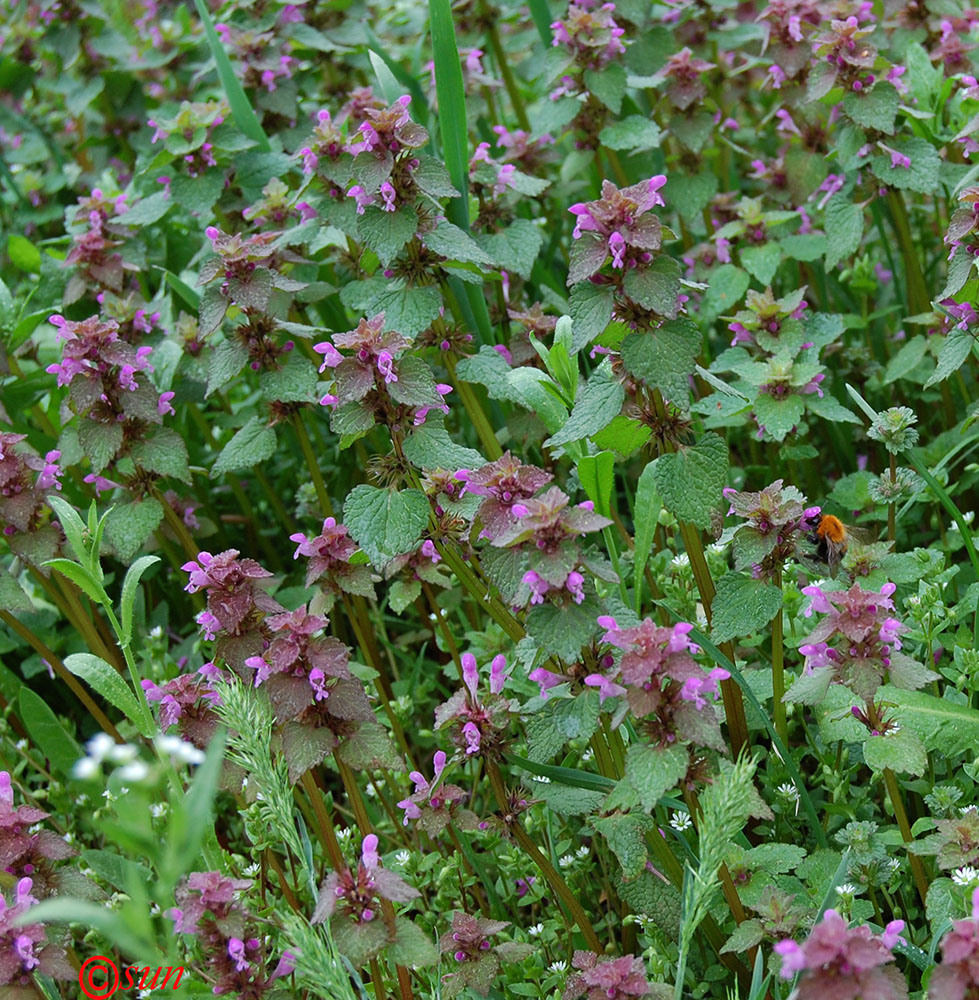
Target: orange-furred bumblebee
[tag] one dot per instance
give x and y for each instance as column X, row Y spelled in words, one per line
column 832, row 539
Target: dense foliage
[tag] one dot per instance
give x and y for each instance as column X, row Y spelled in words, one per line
column 427, row 436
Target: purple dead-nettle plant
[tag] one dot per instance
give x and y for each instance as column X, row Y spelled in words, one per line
column 25, row 480
column 665, row 688
column 857, row 644
column 957, row 977
column 477, row 961
column 330, row 566
column 479, row 719
column 24, row 948
column 377, row 381
column 604, row 978
column 237, row 605
column 837, row 962
column 504, row 483
column 778, row 525
column 433, row 805
column 208, row 907
column 356, row 895
column 770, row 323
column 188, row 702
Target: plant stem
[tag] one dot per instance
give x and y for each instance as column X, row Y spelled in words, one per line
column 475, row 412
column 503, row 64
column 917, row 868
column 312, row 465
column 892, row 507
column 550, row 873
column 778, row 667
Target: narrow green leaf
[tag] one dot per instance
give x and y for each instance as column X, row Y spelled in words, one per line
column 597, row 476
column 244, row 114
column 107, row 682
column 47, row 732
column 91, row 916
column 645, row 516
column 564, row 775
column 73, row 526
column 198, row 804
column 450, row 90
column 80, row 577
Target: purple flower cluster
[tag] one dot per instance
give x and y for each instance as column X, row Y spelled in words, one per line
column 24, row 950
column 663, row 684
column 25, row 480
column 604, row 978
column 479, row 721
column 235, row 957
column 957, row 977
column 329, row 555
column 590, row 34
column 838, row 962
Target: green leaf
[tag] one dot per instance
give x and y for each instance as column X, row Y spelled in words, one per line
column 409, row 310
column 91, row 916
column 778, row 416
column 254, row 443
column 875, row 108
column 570, row 776
column 591, row 312
column 690, row 481
column 691, row 193
column 921, row 176
column 959, row 270
column 130, row 586
column 656, row 286
column 652, row 772
column 129, row 525
column 99, row 442
column 12, row 596
column 386, row 233
column 454, row 243
column 645, row 517
column 47, row 733
column 626, row 836
column 430, row 447
column 725, row 290
column 844, row 229
column 514, row 248
column 23, row 254
column 762, row 262
column 121, row 873
column 901, row 752
column 608, row 85
column 806, row 247
column 953, row 354
column 293, row 382
column 191, row 821
column 664, row 358
column 402, row 593
column 563, row 631
column 80, row 577
column 742, row 606
column 146, row 211
column 450, row 92
column 244, row 115
column 633, row 132
column 410, row 946
column 164, row 453
column 559, row 722
column 599, row 400
column 107, row 681
column 385, row 523
column 597, row 476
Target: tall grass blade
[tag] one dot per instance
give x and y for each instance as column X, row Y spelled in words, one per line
column 244, row 114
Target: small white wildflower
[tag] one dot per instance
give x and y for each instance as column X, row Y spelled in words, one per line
column 588, row 756
column 86, row 768
column 583, row 852
column 968, row 516
column 123, row 790
column 156, row 632
column 158, row 809
column 964, row 810
column 847, row 889
column 123, row 753
column 535, row 930
column 345, row 834
column 542, row 779
column 371, row 791
column 789, row 791
column 137, row 770
column 251, row 870
column 680, row 561
column 566, row 861
column 403, row 857
column 22, row 744
column 965, row 876
column 154, row 909
column 108, row 796
column 681, row 821
column 558, row 967
column 644, row 921
column 893, row 865
column 100, row 745
column 68, row 838
column 82, row 799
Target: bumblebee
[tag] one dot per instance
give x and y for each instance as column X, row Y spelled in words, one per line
column 831, row 538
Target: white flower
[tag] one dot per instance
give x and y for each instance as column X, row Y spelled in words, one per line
column 100, row 745
column 847, row 889
column 251, row 870
column 108, row 796
column 566, row 861
column 134, row 771
column 681, row 821
column 588, row 756
column 965, row 876
column 535, row 930
column 22, row 744
column 158, row 809
column 156, row 632
column 179, row 749
column 558, row 967
column 680, row 561
column 403, row 857
column 542, row 779
column 123, row 753
column 789, row 791
column 86, row 768
column 583, row 852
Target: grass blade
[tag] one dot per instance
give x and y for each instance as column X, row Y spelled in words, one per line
column 244, row 114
